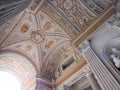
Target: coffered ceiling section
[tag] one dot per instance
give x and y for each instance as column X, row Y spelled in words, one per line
column 45, row 32
column 72, row 15
column 37, row 36
column 20, row 36
column 77, row 13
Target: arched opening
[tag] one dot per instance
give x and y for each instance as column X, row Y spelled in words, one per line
column 8, row 81
column 20, row 67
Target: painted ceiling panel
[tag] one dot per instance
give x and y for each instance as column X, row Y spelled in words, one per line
column 57, row 58
column 75, row 12
column 7, row 28
column 49, row 10
column 79, row 13
column 21, row 31
column 28, row 48
column 48, row 25
column 45, row 32
column 40, row 38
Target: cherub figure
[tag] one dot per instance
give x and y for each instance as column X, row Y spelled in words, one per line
column 116, row 56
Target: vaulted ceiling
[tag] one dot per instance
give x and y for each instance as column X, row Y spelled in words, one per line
column 44, row 32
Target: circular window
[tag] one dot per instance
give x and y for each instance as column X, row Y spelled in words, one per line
column 8, row 81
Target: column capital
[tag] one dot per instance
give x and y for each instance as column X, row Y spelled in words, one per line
column 87, row 71
column 83, row 46
column 92, row 79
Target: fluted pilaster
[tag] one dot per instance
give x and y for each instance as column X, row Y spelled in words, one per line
column 92, row 80
column 102, row 74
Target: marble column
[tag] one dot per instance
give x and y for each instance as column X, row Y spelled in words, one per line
column 92, row 80
column 104, row 77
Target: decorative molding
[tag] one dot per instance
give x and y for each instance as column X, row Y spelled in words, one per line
column 98, row 21
column 76, row 67
column 5, row 51
column 59, row 19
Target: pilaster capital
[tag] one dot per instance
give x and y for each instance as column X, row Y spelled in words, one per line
column 87, row 71
column 83, row 46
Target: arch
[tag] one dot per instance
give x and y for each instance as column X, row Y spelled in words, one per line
column 23, row 55
column 20, row 66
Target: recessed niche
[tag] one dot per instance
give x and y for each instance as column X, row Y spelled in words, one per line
column 68, row 63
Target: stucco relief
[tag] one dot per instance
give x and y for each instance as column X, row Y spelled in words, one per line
column 19, row 39
column 7, row 27
column 48, row 25
column 75, row 11
column 25, row 28
column 28, row 48
column 49, row 10
column 49, row 44
column 37, row 37
column 39, row 41
column 61, row 54
column 21, row 30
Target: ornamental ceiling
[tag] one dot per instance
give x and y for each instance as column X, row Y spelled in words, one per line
column 45, row 30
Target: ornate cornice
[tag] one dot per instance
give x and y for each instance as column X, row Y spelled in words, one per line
column 97, row 22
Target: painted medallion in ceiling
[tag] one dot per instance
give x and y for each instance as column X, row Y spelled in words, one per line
column 45, row 35
column 61, row 54
column 40, row 38
column 20, row 38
